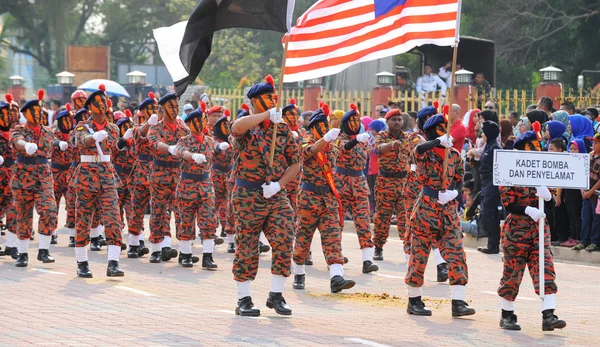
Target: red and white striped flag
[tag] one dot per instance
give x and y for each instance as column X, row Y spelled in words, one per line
column 335, row 34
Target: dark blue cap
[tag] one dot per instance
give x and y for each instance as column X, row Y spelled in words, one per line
column 80, row 113
column 4, row 105
column 29, row 104
column 63, row 113
column 316, row 117
column 192, row 115
column 262, row 88
column 164, row 99
column 348, row 115
column 426, row 112
column 123, row 120
column 433, row 121
column 91, row 97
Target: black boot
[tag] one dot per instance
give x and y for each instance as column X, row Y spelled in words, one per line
column 308, row 260
column 156, row 257
column 168, row 253
column 417, row 307
column 185, row 260
column 299, row 281
column 442, row 272
column 551, row 322
column 508, row 321
column 486, row 250
column 345, row 260
column 95, row 244
column 102, row 241
column 123, row 246
column 2, row 253
column 231, row 248
column 263, row 248
column 44, row 256
column 338, row 283
column 378, row 254
column 83, row 270
column 71, row 241
column 277, row 302
column 54, row 240
column 246, row 308
column 368, row 267
column 133, row 252
column 12, row 251
column 207, row 262
column 113, row 269
column 461, row 308
column 223, row 233
column 22, row 260
column 70, row 225
column 218, row 241
column 142, row 249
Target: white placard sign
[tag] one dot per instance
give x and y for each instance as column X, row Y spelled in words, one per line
column 550, row 169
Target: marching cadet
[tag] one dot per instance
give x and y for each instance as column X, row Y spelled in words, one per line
column 435, row 217
column 319, row 205
column 163, row 137
column 351, row 182
column 258, row 199
column 221, row 170
column 139, row 184
column 32, row 181
column 110, row 115
column 520, row 242
column 62, row 156
column 195, row 197
column 212, row 116
column 97, row 184
column 290, row 117
column 393, row 150
column 7, row 160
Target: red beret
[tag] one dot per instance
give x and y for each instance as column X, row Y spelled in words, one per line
column 215, row 109
column 391, row 113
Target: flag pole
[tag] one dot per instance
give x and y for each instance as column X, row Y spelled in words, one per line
column 450, row 95
column 280, row 91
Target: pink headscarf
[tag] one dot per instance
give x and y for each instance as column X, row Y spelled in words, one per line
column 366, row 121
column 472, row 118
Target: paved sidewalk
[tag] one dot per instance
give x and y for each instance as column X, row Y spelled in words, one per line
column 166, row 305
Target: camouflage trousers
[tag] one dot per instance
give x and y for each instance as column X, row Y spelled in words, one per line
column 61, row 185
column 7, row 207
column 230, row 224
column 162, row 203
column 389, row 200
column 125, row 205
column 520, row 244
column 253, row 214
column 198, row 206
column 318, row 211
column 140, row 198
column 70, row 197
column 354, row 195
column 45, row 206
column 219, row 181
column 431, row 222
column 103, row 205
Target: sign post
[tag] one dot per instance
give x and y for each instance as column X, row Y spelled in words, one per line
column 535, row 169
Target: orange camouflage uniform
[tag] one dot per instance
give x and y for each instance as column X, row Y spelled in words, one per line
column 7, row 207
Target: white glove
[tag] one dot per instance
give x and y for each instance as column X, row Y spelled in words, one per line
column 100, row 136
column 295, row 135
column 30, row 148
column 534, row 213
column 63, row 145
column 543, row 192
column 332, row 135
column 1, row 160
column 362, row 138
column 153, row 119
column 271, row 189
column 445, row 140
column 172, row 150
column 199, row 158
column 128, row 134
column 275, row 116
column 447, row 196
column 223, row 146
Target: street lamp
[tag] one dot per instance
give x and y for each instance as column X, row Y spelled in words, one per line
column 16, row 80
column 463, row 77
column 551, row 74
column 65, row 78
column 385, row 78
column 136, row 77
column 315, row 81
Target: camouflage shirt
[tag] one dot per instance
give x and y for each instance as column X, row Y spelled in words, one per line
column 396, row 160
column 354, row 159
column 189, row 189
column 313, row 173
column 32, row 176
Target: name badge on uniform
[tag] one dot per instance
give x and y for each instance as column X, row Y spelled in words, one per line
column 413, row 167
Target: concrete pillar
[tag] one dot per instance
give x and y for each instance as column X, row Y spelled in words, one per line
column 381, row 95
column 550, row 89
column 311, row 98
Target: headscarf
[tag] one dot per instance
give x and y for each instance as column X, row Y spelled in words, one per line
column 581, row 127
column 563, row 117
column 366, row 121
column 506, row 130
column 470, row 121
column 580, row 145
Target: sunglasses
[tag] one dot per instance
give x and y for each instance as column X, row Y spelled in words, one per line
column 489, row 107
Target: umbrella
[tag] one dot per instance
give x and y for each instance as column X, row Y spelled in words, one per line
column 112, row 88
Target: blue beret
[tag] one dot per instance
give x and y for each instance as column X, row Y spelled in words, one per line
column 164, row 99
column 348, row 115
column 242, row 113
column 123, row 120
column 288, row 108
column 4, row 105
column 146, row 102
column 316, row 117
column 525, row 137
column 426, row 112
column 192, row 115
column 377, row 125
column 260, row 89
column 433, row 121
column 79, row 113
column 91, row 97
column 63, row 113
column 29, row 104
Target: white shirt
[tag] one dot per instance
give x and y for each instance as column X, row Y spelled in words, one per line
column 429, row 83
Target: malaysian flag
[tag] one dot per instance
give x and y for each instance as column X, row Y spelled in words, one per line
column 335, row 34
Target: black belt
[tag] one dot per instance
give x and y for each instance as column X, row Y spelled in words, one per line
column 171, row 164
column 33, row 161
column 348, row 172
column 74, row 164
column 195, row 177
column 221, row 168
column 145, row 157
column 8, row 162
column 61, row 167
column 310, row 187
column 248, row 184
column 120, row 169
column 433, row 193
column 401, row 174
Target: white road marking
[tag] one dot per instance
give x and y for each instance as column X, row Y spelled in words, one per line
column 388, row 276
column 233, row 313
column 365, row 342
column 518, row 297
column 135, row 291
column 48, row 271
